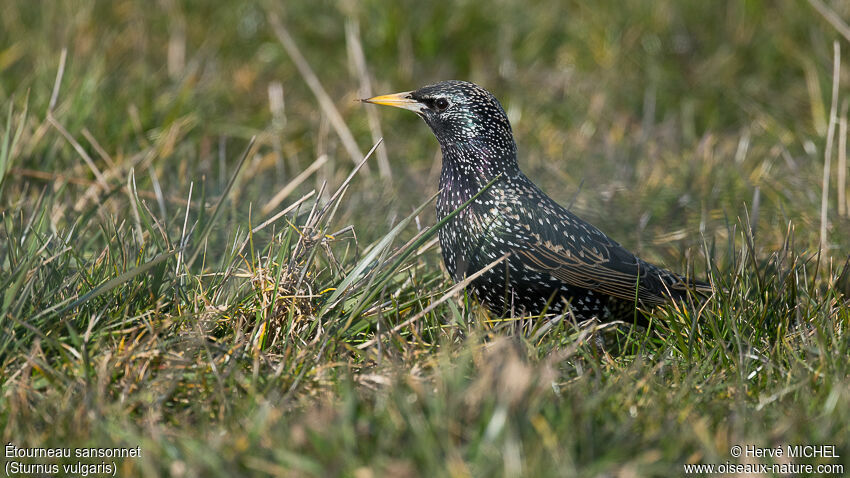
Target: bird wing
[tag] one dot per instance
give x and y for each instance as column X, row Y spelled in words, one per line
column 580, row 255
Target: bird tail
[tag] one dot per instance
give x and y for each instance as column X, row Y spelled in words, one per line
column 679, row 287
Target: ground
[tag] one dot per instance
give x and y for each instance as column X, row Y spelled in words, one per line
column 194, row 267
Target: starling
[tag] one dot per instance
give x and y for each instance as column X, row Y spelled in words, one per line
column 556, row 260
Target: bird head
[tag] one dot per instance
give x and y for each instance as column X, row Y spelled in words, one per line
column 458, row 113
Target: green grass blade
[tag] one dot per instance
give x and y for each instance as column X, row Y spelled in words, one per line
column 118, row 280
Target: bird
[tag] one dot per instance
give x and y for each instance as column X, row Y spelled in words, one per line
column 554, row 262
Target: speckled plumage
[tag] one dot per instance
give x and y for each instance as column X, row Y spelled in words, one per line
column 555, row 258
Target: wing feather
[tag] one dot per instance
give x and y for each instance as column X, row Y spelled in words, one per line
column 596, row 262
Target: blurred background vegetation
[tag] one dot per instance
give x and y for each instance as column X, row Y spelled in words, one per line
column 637, row 102
column 671, row 125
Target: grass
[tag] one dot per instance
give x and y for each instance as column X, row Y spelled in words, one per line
column 158, row 291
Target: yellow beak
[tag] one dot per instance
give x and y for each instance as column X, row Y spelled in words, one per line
column 399, row 100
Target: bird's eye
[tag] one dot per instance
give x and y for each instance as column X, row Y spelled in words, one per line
column 440, row 104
